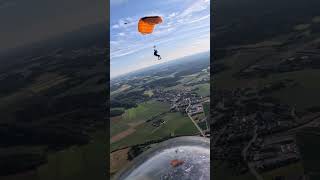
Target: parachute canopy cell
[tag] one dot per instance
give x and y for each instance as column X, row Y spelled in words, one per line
column 146, row 24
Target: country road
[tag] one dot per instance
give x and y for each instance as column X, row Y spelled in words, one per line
column 200, row 130
column 244, row 155
column 311, row 120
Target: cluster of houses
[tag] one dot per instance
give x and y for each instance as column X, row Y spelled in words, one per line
column 233, row 118
column 274, row 152
column 179, row 100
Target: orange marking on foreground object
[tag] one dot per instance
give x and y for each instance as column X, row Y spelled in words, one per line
column 176, row 162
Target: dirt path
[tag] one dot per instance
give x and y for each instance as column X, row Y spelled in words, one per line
column 244, row 154
column 122, row 135
column 125, row 133
column 309, row 123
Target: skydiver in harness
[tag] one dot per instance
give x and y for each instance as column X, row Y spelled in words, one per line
column 156, row 53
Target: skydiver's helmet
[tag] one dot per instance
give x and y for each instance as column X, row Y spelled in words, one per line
column 175, row 159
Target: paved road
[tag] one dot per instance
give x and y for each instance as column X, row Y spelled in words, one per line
column 309, row 122
column 200, row 130
column 244, row 155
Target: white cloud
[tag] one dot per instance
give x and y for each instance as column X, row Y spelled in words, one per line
column 125, row 23
column 114, row 43
column 195, row 7
column 172, row 15
column 199, row 19
column 126, row 49
column 121, row 53
column 116, row 26
column 121, row 34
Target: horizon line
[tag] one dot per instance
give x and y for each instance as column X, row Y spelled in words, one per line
column 117, row 76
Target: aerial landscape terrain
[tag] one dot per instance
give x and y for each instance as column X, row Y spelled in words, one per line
column 53, row 110
column 265, row 106
column 159, row 87
column 157, row 103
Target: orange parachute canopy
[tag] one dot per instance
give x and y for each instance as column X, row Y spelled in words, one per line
column 146, row 24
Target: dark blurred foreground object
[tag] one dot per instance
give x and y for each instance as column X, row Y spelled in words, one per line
column 179, row 158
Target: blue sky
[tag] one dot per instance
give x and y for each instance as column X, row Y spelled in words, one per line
column 185, row 31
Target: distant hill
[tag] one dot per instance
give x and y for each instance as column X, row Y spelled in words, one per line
column 170, row 66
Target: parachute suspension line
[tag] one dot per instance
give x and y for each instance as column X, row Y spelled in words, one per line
column 146, row 26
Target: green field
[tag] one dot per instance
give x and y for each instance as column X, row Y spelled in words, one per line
column 75, row 163
column 117, row 125
column 206, row 108
column 117, row 109
column 302, row 96
column 306, row 94
column 203, row 125
column 199, row 117
column 176, row 124
column 121, row 89
column 292, row 170
column 203, row 89
column 226, row 173
column 226, row 80
column 142, row 112
column 223, row 171
column 189, row 78
column 116, row 112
